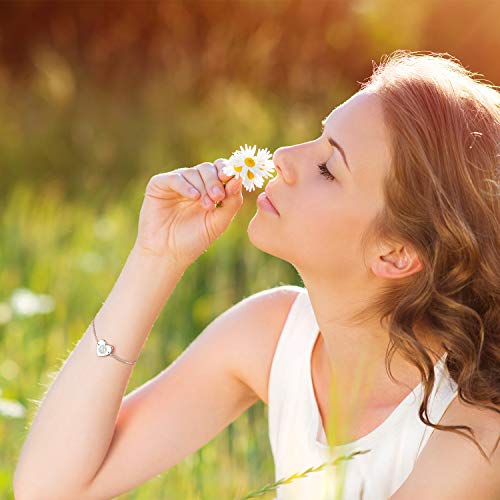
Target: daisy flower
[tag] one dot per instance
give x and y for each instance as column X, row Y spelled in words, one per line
column 252, row 168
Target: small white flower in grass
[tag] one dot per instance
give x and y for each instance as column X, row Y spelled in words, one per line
column 11, row 408
column 252, row 168
column 24, row 302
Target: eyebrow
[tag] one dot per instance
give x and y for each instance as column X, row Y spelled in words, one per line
column 335, row 144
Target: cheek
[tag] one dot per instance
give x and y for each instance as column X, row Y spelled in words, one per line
column 331, row 228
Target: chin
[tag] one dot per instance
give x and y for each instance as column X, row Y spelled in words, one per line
column 266, row 238
column 263, row 236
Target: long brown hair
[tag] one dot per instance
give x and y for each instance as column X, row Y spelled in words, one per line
column 442, row 197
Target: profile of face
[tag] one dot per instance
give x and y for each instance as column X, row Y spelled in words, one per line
column 323, row 214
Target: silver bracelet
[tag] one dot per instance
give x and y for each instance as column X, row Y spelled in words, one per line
column 104, row 349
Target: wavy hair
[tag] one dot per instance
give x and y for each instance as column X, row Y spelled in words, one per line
column 442, row 197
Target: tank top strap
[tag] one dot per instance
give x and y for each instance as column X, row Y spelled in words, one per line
column 287, row 377
column 293, row 342
column 444, row 391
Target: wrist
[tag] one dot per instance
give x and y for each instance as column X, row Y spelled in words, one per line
column 152, row 260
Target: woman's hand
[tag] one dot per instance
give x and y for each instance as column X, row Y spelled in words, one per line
column 176, row 223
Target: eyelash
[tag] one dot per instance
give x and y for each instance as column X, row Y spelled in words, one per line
column 325, row 172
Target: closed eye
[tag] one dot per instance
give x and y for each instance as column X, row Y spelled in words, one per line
column 325, row 172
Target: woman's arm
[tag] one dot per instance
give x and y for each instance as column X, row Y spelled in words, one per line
column 71, row 434
column 73, row 428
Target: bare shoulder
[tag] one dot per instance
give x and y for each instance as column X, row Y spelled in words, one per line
column 484, row 423
column 263, row 315
column 451, row 466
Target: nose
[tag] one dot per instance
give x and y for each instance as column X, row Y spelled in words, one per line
column 282, row 162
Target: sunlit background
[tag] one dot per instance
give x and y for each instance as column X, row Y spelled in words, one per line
column 96, row 97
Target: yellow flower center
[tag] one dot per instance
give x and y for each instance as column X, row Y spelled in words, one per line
column 250, row 174
column 238, row 169
column 249, row 162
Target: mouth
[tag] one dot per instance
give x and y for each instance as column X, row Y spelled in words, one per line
column 270, row 200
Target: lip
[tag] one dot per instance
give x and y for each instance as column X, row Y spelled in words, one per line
column 264, row 202
column 266, row 190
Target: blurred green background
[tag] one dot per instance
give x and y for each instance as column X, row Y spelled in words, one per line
column 96, row 97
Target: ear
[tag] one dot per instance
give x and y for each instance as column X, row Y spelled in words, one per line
column 396, row 263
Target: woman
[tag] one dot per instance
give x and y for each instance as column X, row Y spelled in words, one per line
column 391, row 217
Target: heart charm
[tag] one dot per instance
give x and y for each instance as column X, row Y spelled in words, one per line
column 103, row 349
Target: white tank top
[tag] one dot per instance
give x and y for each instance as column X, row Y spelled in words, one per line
column 297, row 437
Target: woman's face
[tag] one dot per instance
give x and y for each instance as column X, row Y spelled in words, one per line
column 321, row 220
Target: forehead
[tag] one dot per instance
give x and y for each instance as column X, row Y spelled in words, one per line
column 358, row 126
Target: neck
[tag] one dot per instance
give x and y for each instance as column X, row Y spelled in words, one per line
column 353, row 353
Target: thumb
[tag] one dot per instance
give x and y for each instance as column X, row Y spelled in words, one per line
column 233, row 187
column 224, row 213
column 234, row 196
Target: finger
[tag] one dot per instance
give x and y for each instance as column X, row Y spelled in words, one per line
column 234, row 186
column 220, row 163
column 213, row 184
column 193, row 175
column 171, row 181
